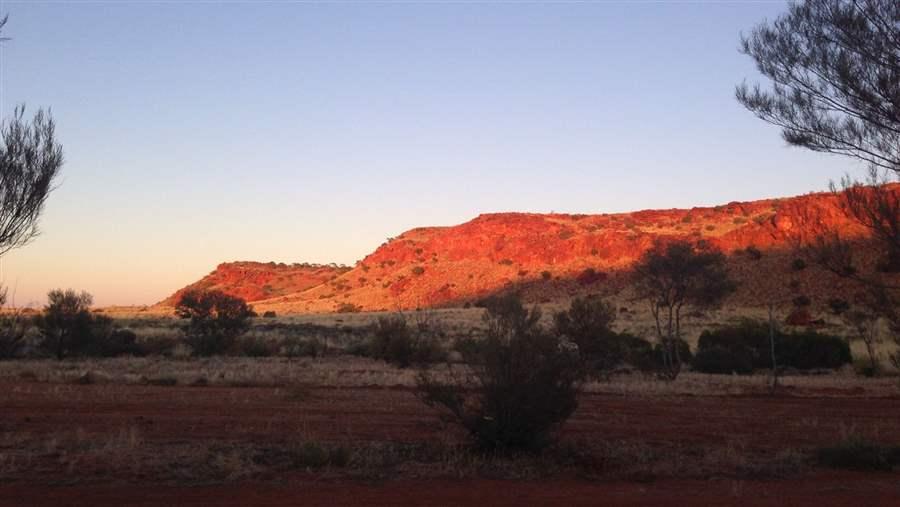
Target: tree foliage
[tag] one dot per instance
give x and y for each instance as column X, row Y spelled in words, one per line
column 834, row 67
column 588, row 323
column 30, row 160
column 65, row 323
column 675, row 274
column 521, row 384
column 216, row 320
column 14, row 328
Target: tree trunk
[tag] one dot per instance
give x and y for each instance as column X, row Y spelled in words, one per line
column 774, row 385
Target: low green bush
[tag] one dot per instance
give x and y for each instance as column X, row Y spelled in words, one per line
column 732, row 349
column 526, row 382
column 809, row 350
column 303, row 347
column 396, row 342
column 255, row 346
column 684, row 351
column 858, row 454
column 723, row 360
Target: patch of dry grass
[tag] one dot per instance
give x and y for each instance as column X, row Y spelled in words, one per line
column 72, row 456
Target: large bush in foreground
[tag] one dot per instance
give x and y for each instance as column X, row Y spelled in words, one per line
column 216, row 319
column 520, row 386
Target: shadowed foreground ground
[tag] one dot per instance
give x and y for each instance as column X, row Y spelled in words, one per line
column 850, row 489
column 113, row 444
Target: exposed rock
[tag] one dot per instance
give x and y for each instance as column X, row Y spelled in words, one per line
column 548, row 257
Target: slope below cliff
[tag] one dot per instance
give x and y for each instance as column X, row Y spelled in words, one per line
column 552, row 257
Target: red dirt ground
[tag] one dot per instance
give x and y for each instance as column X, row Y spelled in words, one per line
column 170, row 414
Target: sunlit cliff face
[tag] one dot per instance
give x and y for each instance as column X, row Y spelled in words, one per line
column 546, row 256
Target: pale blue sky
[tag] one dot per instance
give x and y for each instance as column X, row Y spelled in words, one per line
column 201, row 132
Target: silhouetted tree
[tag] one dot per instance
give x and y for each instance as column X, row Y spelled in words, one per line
column 834, row 67
column 835, row 72
column 14, row 328
column 588, row 323
column 216, row 320
column 671, row 276
column 65, row 324
column 522, row 382
column 30, row 160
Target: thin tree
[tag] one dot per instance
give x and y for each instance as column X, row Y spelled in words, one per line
column 671, row 276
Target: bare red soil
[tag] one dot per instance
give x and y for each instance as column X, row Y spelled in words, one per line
column 550, row 257
column 850, row 489
column 168, row 416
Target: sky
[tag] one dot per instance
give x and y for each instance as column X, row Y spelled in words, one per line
column 201, row 132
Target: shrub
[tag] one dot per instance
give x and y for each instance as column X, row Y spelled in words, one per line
column 799, row 316
column 65, row 324
column 418, row 270
column 838, row 306
column 308, row 455
column 14, row 329
column 348, row 308
column 684, row 352
column 395, row 342
column 523, row 383
column 753, row 253
column 216, row 320
column 311, row 347
column 392, row 340
column 748, row 343
column 675, row 274
column 546, row 275
column 255, row 346
column 587, row 324
column 856, row 453
column 809, row 350
column 158, row 345
column 108, row 341
column 270, row 314
column 801, row 301
column 589, row 276
column 639, row 352
column 467, row 346
column 798, row 264
column 723, row 360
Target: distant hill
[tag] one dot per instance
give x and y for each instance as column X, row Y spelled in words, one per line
column 255, row 281
column 548, row 257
